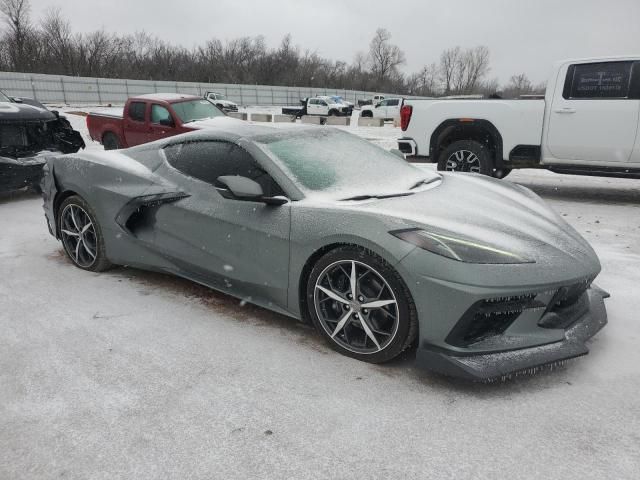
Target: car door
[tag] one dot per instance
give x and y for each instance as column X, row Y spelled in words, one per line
column 135, row 124
column 161, row 123
column 592, row 117
column 235, row 245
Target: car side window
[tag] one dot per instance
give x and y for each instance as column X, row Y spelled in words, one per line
column 392, row 103
column 208, row 160
column 603, row 80
column 159, row 113
column 137, row 110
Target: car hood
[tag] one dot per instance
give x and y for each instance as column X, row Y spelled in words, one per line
column 493, row 212
column 10, row 111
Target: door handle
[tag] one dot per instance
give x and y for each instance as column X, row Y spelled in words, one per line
column 565, row 110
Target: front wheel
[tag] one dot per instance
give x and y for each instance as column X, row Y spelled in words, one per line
column 81, row 235
column 466, row 156
column 360, row 305
column 367, row 114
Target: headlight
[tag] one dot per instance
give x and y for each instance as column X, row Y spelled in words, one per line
column 457, row 248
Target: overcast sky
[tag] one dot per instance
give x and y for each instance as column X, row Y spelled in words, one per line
column 523, row 36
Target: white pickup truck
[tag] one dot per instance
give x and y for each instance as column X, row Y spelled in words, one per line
column 389, row 109
column 587, row 124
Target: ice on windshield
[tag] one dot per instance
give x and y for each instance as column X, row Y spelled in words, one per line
column 193, row 110
column 340, row 165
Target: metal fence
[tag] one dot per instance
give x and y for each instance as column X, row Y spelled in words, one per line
column 101, row 91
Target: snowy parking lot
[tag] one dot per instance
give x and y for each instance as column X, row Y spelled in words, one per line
column 130, row 374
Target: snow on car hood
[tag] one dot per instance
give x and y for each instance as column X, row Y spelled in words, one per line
column 23, row 111
column 494, row 212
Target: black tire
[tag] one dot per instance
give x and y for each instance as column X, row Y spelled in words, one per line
column 405, row 329
column 100, row 262
column 367, row 114
column 333, row 113
column 110, row 141
column 454, row 158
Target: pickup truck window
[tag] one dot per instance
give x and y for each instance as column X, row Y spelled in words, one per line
column 159, row 113
column 604, row 80
column 136, row 111
column 193, row 110
column 207, row 161
column 393, row 103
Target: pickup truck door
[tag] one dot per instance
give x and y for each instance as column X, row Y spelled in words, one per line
column 161, row 123
column 135, row 123
column 312, row 106
column 592, row 117
column 380, row 110
column 393, row 108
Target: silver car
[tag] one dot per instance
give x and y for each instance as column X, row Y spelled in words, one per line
column 479, row 276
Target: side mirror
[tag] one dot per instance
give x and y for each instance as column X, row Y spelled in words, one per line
column 16, row 99
column 166, row 122
column 243, row 188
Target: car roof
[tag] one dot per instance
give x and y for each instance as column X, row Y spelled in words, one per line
column 166, row 97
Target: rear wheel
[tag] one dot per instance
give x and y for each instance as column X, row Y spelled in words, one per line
column 81, row 235
column 367, row 114
column 360, row 305
column 466, row 156
column 110, row 141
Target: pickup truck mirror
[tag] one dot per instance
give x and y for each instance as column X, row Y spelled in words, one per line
column 167, row 122
column 16, row 99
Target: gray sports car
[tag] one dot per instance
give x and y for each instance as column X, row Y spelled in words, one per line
column 478, row 275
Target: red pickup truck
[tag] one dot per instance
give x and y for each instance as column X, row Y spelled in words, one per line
column 151, row 117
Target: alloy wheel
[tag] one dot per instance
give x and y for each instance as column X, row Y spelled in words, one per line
column 78, row 235
column 463, row 161
column 356, row 307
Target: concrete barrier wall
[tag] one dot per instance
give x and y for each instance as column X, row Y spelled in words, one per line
column 261, row 117
column 313, row 119
column 339, row 121
column 370, row 122
column 284, row 118
column 238, row 115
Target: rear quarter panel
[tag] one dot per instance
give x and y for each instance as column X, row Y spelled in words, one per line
column 518, row 121
column 99, row 124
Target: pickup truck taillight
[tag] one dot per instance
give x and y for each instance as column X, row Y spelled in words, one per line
column 405, row 116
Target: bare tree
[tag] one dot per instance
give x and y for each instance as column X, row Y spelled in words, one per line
column 385, row 57
column 424, row 82
column 17, row 17
column 518, row 85
column 449, row 60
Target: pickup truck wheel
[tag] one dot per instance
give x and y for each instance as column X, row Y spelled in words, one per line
column 367, row 114
column 110, row 141
column 466, row 156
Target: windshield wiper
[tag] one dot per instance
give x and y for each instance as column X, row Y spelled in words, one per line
column 367, row 197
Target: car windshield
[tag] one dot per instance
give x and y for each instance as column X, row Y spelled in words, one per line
column 4, row 98
column 193, row 110
column 338, row 165
column 218, row 96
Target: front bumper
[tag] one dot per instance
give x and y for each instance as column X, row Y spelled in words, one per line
column 501, row 364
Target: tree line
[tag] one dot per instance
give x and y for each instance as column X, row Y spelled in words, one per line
column 50, row 46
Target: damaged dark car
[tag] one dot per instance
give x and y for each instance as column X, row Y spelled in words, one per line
column 28, row 132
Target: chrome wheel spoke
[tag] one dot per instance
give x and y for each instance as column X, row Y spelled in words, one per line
column 343, row 321
column 369, row 333
column 330, row 294
column 70, row 233
column 378, row 304
column 352, row 280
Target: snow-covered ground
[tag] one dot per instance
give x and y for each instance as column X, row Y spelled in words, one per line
column 130, row 374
